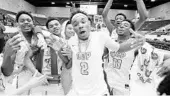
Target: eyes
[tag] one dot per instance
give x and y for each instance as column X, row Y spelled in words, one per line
column 125, row 25
column 52, row 25
column 120, row 18
column 76, row 23
column 23, row 20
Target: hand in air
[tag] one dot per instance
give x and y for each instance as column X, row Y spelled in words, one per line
column 138, row 40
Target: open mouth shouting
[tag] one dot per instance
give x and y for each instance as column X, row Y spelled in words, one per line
column 82, row 32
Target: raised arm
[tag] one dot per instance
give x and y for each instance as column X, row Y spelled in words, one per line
column 143, row 13
column 73, row 8
column 109, row 25
column 9, row 55
column 130, row 44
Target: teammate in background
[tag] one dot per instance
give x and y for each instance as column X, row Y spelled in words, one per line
column 52, row 67
column 120, row 31
column 86, row 56
column 120, row 62
column 67, row 30
column 26, row 27
column 120, row 17
column 66, row 78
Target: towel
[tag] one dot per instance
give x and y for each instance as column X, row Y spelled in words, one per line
column 144, row 69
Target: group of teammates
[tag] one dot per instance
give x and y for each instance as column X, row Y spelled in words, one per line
column 80, row 56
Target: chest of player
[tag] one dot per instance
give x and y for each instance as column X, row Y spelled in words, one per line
column 122, row 55
column 122, row 60
column 85, row 52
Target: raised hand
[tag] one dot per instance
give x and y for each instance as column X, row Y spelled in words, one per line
column 138, row 39
column 12, row 45
column 67, row 52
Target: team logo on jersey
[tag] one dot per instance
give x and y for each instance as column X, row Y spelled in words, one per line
column 143, row 50
column 83, row 55
column 117, row 54
column 154, row 56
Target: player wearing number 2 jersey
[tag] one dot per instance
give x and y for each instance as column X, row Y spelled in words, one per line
column 87, row 50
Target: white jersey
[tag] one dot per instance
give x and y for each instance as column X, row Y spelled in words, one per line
column 118, row 69
column 87, row 71
column 119, row 66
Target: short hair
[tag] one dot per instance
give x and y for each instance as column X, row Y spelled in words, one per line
column 82, row 12
column 49, row 20
column 68, row 23
column 122, row 15
column 131, row 23
column 23, row 12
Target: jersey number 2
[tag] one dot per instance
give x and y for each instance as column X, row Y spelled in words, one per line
column 84, row 68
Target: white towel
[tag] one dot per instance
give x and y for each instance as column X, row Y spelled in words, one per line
column 144, row 69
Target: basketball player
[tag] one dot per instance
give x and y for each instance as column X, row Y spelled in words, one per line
column 118, row 73
column 86, row 56
column 120, row 62
column 53, row 64
column 120, row 17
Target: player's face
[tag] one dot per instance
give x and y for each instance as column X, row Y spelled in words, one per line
column 54, row 27
column 25, row 23
column 81, row 26
column 123, row 29
column 119, row 19
column 69, row 31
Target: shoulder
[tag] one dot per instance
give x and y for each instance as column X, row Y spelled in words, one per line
column 73, row 40
column 100, row 34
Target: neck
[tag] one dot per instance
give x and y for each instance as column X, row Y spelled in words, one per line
column 67, row 38
column 123, row 38
column 59, row 35
column 28, row 35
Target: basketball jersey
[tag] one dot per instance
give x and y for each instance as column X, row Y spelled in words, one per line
column 118, row 68
column 87, row 71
